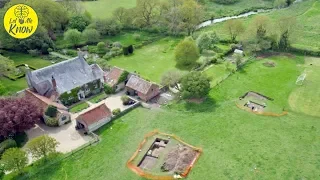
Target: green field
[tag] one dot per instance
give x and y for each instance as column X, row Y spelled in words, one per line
column 19, row 58
column 236, row 144
column 103, row 8
column 306, row 34
column 151, row 61
column 306, row 98
column 220, row 10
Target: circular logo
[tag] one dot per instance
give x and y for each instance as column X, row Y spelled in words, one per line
column 20, row 21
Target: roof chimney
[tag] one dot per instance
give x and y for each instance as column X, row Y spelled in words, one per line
column 80, row 54
column 54, row 83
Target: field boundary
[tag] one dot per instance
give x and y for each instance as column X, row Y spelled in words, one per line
column 144, row 174
column 262, row 113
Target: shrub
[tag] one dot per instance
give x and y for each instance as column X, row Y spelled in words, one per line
column 125, row 100
column 51, row 111
column 137, row 37
column 72, row 53
column 101, row 48
column 73, row 36
column 6, row 144
column 92, row 49
column 117, row 44
column 91, row 35
column 51, row 121
column 116, row 112
column 107, row 89
column 50, row 49
column 225, row 1
column 34, row 52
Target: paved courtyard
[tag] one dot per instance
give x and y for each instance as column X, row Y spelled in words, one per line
column 68, row 137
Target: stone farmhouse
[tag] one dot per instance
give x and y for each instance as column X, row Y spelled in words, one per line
column 67, row 82
column 145, row 90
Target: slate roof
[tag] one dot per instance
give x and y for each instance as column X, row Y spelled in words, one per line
column 68, row 74
column 113, row 76
column 139, row 84
column 94, row 115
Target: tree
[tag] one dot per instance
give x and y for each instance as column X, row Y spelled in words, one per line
column 73, row 36
column 171, row 78
column 286, row 28
column 79, row 22
column 186, row 53
column 119, row 14
column 42, row 146
column 206, row 40
column 14, row 159
column 107, row 27
column 195, row 85
column 235, row 28
column 6, row 65
column 91, row 35
column 101, row 47
column 280, row 3
column 191, row 13
column 51, row 111
column 17, row 115
column 52, row 15
column 147, row 10
column 238, row 59
column 171, row 14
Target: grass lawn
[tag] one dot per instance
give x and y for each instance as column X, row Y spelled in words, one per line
column 20, row 58
column 305, row 35
column 217, row 72
column 220, row 10
column 79, row 107
column 306, row 98
column 104, row 8
column 151, row 61
column 14, row 86
column 98, row 98
column 236, row 144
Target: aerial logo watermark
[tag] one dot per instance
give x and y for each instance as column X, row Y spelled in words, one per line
column 20, row 21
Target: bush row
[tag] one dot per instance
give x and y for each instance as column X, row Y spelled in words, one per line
column 305, row 51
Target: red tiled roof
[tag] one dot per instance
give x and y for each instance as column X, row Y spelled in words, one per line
column 43, row 101
column 95, row 115
column 113, row 76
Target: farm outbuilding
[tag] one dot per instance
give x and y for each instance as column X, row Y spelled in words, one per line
column 94, row 118
column 145, row 90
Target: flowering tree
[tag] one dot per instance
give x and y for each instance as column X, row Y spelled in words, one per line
column 17, row 115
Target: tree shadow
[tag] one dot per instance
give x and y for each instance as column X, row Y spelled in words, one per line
column 208, row 105
column 185, row 68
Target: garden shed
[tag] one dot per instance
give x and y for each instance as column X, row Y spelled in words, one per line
column 93, row 119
